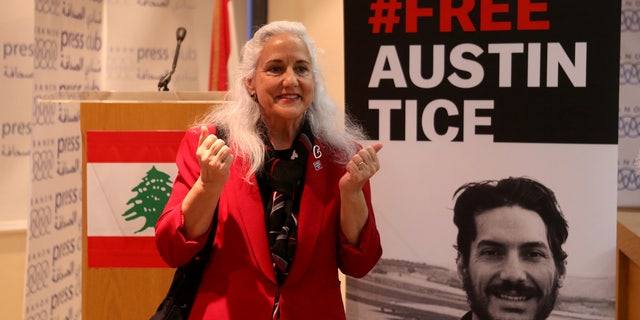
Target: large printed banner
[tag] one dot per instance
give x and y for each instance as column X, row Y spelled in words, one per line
column 629, row 113
column 66, row 61
column 467, row 91
column 129, row 179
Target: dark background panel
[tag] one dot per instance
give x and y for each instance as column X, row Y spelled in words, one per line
column 562, row 114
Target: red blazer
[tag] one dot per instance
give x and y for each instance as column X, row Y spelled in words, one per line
column 239, row 282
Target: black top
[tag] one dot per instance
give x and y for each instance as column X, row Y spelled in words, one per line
column 467, row 316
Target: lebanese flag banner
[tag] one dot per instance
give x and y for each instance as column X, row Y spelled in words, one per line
column 129, row 179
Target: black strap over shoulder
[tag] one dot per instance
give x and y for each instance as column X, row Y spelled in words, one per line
column 186, row 280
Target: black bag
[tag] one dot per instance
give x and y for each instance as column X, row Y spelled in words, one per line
column 186, row 280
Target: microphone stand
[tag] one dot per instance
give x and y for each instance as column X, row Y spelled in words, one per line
column 166, row 78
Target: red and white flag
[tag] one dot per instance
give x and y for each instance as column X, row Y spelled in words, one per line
column 129, row 179
column 223, row 46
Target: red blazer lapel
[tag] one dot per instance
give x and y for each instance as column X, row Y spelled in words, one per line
column 312, row 211
column 250, row 210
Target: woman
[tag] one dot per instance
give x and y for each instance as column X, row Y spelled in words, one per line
column 290, row 184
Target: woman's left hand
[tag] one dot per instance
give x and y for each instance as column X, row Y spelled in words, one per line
column 362, row 167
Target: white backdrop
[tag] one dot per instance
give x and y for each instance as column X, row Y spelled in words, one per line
column 137, row 53
column 16, row 81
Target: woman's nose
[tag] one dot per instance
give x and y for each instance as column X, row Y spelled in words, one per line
column 290, row 78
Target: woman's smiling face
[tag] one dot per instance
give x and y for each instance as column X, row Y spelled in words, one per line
column 283, row 81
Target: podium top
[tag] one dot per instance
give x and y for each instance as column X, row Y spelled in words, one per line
column 173, row 97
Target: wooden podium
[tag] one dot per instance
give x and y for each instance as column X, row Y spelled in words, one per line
column 628, row 264
column 131, row 293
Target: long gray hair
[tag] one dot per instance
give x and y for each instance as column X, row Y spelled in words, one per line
column 241, row 116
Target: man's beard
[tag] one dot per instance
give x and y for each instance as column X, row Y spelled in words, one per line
column 480, row 309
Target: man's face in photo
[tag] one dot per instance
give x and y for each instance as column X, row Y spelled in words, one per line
column 511, row 272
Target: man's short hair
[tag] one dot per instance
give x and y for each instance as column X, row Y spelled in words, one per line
column 477, row 197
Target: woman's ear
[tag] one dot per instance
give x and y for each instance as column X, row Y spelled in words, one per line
column 249, row 84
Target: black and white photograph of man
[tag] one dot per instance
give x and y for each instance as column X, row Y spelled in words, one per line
column 509, row 246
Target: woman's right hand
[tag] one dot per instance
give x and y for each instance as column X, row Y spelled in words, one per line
column 215, row 159
column 198, row 206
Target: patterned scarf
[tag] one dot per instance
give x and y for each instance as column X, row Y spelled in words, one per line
column 281, row 183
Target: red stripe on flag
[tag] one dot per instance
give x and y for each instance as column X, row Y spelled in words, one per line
column 123, row 252
column 220, row 47
column 133, row 146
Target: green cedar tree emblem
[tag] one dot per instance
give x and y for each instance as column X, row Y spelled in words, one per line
column 152, row 194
